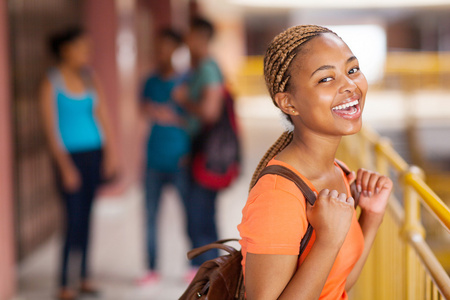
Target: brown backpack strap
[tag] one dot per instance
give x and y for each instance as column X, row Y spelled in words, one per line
column 353, row 189
column 304, row 188
column 217, row 245
column 290, row 175
column 343, row 167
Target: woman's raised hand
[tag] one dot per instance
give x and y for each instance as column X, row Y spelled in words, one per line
column 331, row 216
column 374, row 191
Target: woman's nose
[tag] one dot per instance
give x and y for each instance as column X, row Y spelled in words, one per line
column 347, row 85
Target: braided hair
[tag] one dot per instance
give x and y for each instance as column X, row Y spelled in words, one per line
column 277, row 68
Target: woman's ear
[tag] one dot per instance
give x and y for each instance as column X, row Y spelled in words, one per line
column 284, row 102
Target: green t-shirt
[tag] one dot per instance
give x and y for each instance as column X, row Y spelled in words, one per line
column 207, row 74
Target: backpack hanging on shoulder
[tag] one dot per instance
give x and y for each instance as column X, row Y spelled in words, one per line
column 216, row 153
column 222, row 278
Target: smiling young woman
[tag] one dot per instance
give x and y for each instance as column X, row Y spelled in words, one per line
column 315, row 80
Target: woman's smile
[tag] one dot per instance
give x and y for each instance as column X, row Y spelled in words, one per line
column 349, row 110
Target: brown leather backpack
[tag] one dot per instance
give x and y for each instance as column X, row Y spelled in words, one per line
column 222, row 278
column 219, row 278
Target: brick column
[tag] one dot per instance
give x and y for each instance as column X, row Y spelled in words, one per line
column 7, row 260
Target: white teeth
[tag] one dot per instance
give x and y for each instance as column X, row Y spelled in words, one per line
column 346, row 105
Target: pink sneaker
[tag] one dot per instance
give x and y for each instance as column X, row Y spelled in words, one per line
column 189, row 276
column 150, row 278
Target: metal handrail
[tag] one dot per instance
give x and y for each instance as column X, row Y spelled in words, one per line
column 429, row 198
column 416, row 192
column 433, row 266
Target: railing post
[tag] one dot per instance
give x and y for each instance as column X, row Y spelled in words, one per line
column 382, row 249
column 363, row 153
column 382, row 165
column 411, row 229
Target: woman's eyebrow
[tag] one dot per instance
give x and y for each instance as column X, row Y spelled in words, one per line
column 351, row 59
column 328, row 67
column 324, row 67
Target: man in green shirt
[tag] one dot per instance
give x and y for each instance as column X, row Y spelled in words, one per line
column 202, row 96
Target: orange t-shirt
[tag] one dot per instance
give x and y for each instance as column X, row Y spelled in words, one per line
column 274, row 222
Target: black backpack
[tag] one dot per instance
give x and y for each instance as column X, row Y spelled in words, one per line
column 216, row 151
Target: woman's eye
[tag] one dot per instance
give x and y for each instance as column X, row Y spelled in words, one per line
column 326, row 79
column 353, row 70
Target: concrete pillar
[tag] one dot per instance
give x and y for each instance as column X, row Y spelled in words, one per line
column 7, row 260
column 101, row 22
column 161, row 13
column 110, row 25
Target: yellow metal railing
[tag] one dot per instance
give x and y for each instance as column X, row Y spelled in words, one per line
column 401, row 264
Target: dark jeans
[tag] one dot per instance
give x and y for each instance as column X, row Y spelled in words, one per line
column 199, row 205
column 201, row 215
column 78, row 207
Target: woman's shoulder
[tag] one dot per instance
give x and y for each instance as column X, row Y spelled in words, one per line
column 274, row 217
column 52, row 74
column 274, row 184
column 210, row 67
column 275, row 194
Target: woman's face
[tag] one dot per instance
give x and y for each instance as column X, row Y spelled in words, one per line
column 77, row 52
column 327, row 89
column 164, row 50
column 196, row 41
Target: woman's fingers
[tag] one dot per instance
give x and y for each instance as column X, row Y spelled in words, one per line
column 371, row 184
column 359, row 177
column 351, row 201
column 342, row 197
column 324, row 192
column 380, row 184
column 364, row 179
column 334, row 194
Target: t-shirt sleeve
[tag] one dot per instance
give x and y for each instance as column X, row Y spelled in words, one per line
column 210, row 75
column 274, row 223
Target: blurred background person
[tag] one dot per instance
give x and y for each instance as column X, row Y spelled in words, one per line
column 80, row 140
column 202, row 96
column 168, row 144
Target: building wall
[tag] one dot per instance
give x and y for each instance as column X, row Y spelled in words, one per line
column 7, row 261
column 37, row 206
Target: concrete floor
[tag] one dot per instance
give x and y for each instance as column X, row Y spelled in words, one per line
column 118, row 235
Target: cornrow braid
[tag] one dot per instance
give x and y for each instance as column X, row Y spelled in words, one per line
column 276, row 148
column 279, row 55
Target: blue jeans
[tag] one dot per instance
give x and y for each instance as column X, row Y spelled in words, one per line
column 201, row 215
column 199, row 205
column 78, row 207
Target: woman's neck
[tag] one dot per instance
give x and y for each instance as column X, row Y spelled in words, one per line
column 69, row 69
column 312, row 153
column 198, row 58
column 166, row 71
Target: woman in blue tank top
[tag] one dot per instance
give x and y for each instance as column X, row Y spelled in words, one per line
column 81, row 144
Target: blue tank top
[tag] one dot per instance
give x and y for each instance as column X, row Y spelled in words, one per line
column 76, row 121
